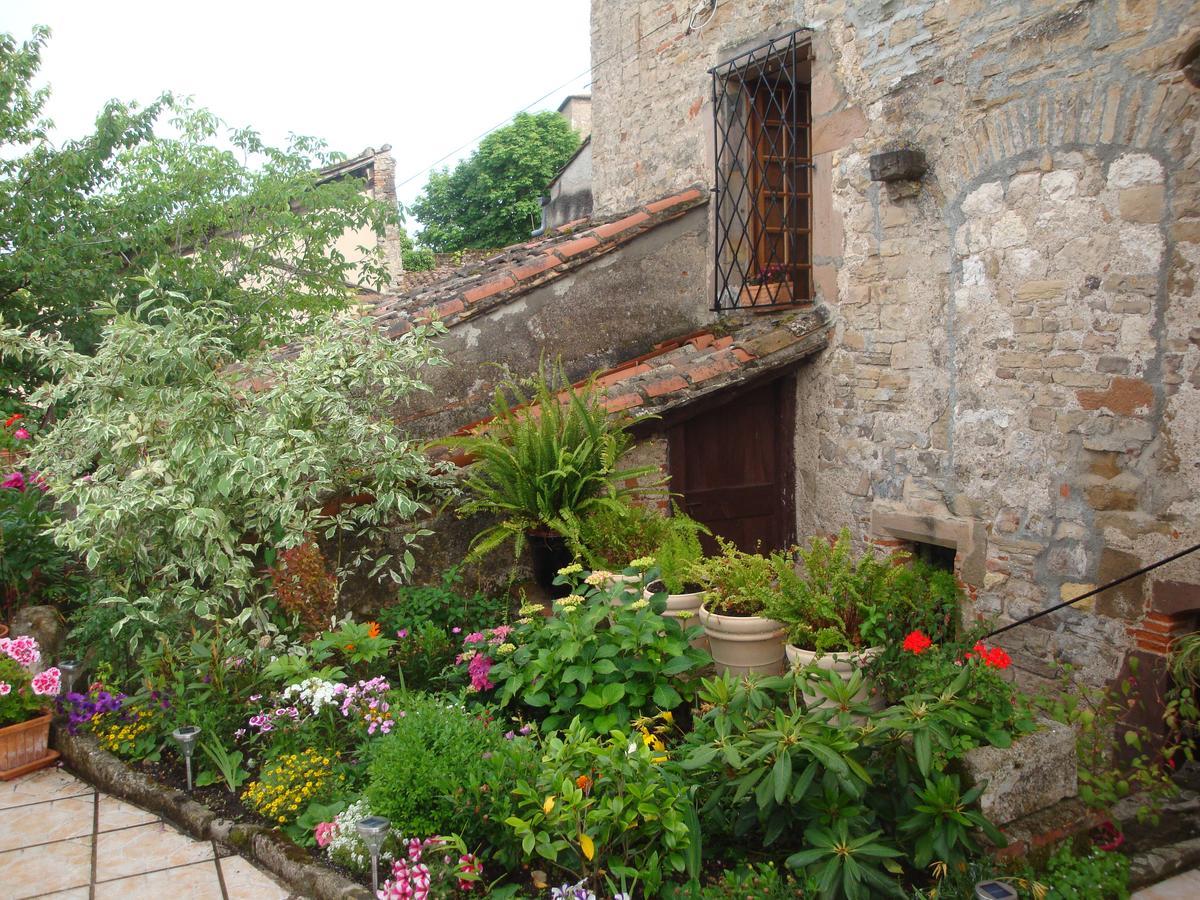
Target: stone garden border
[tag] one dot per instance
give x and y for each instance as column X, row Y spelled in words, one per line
column 268, row 848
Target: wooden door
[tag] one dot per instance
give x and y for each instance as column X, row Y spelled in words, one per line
column 734, row 467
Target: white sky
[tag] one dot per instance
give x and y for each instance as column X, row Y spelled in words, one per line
column 424, row 77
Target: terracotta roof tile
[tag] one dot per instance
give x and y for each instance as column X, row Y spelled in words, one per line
column 485, row 282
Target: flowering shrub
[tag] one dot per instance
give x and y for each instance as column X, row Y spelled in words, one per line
column 431, row 868
column 604, row 807
column 82, row 709
column 24, row 694
column 126, row 732
column 605, row 664
column 288, row 783
column 343, row 844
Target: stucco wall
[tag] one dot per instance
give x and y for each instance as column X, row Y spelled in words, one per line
column 1016, row 353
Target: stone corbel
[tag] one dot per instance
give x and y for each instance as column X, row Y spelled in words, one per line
column 968, row 537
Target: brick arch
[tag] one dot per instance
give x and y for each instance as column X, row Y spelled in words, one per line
column 1144, row 115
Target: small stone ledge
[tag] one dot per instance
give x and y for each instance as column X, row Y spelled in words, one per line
column 1161, row 863
column 268, row 848
column 1037, row 771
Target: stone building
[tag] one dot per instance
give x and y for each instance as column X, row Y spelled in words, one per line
column 921, row 269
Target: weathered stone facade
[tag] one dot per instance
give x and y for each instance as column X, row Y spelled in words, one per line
column 1015, row 366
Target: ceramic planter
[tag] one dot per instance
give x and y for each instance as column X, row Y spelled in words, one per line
column 685, row 608
column 742, row 645
column 845, row 664
column 24, row 747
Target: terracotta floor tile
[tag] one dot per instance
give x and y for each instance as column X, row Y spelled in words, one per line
column 195, row 882
column 244, row 882
column 34, row 871
column 48, row 784
column 116, row 813
column 79, row 893
column 133, row 851
column 40, row 823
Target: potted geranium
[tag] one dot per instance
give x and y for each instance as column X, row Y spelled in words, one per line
column 542, row 463
column 834, row 607
column 25, row 697
column 742, row 638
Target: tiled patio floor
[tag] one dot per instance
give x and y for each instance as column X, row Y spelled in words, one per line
column 61, row 838
column 1181, row 887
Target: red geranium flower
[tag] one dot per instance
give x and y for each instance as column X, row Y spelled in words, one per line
column 917, row 642
column 15, row 417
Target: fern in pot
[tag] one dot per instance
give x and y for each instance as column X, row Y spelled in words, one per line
column 546, row 458
column 742, row 637
column 834, row 607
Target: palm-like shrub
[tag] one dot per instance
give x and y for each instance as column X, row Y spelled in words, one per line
column 544, row 460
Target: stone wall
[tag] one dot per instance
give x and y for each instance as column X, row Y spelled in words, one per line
column 1015, row 368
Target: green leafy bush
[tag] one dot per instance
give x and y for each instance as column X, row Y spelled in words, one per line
column 610, row 536
column 179, row 473
column 419, row 259
column 805, row 780
column 33, row 569
column 761, row 881
column 1096, row 876
column 543, row 463
column 834, row 602
column 605, row 664
column 445, row 770
column 445, row 605
column 605, row 808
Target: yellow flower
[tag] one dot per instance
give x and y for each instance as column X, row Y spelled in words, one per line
column 587, row 846
column 548, row 805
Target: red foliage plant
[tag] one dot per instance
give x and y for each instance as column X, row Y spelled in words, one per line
column 304, row 586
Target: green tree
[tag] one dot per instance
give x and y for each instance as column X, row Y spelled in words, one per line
column 492, row 198
column 222, row 216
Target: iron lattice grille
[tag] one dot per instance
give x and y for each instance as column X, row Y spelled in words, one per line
column 762, row 124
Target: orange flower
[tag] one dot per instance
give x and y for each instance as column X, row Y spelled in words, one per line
column 373, row 629
column 583, row 783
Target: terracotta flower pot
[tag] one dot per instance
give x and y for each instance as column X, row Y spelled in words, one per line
column 24, row 747
column 685, row 608
column 744, row 644
column 845, row 664
column 3, row 631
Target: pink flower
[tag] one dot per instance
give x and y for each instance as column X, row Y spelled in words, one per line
column 5, row 688
column 323, row 833
column 21, row 434
column 475, row 637
column 500, row 634
column 402, row 633
column 456, row 630
column 478, row 669
column 24, row 649
column 15, row 480
column 47, row 684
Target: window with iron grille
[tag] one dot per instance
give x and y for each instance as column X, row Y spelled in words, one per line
column 762, row 127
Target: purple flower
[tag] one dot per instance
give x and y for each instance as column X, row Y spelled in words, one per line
column 402, row 633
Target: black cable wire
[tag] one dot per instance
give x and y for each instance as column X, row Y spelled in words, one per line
column 1094, row 591
column 528, row 106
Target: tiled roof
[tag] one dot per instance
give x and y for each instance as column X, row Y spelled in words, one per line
column 680, row 372
column 478, row 287
column 685, row 370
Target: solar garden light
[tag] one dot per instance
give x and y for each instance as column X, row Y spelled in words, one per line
column 374, row 831
column 995, row 890
column 186, row 737
column 69, row 668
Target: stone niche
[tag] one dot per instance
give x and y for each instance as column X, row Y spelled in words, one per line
column 930, row 522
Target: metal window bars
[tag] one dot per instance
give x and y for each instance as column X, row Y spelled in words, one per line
column 762, row 129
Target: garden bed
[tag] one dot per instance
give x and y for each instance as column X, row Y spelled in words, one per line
column 265, row 846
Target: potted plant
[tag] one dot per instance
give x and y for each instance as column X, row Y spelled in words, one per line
column 742, row 638
column 541, row 463
column 678, row 554
column 611, row 536
column 832, row 605
column 25, row 696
